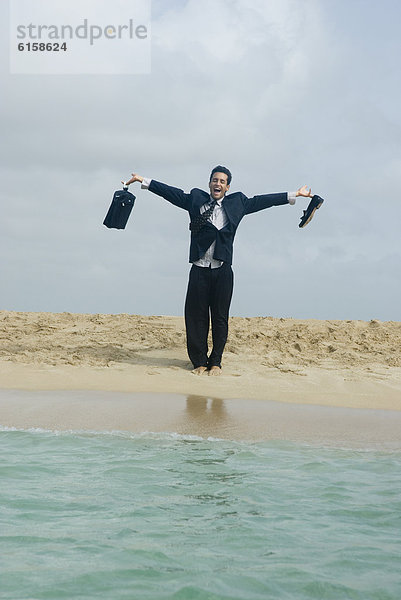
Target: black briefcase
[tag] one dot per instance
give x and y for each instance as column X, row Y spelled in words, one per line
column 120, row 209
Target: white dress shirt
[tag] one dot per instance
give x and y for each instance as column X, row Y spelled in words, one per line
column 219, row 219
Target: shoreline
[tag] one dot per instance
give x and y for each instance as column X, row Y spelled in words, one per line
column 160, row 374
column 200, row 416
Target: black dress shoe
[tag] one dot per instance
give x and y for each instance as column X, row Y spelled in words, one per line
column 313, row 205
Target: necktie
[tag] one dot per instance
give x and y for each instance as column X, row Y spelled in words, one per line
column 200, row 220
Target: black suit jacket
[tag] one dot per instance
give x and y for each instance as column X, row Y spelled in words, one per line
column 236, row 206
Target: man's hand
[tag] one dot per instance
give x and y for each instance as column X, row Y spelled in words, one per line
column 303, row 191
column 135, row 177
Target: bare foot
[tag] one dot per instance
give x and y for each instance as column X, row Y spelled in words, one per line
column 214, row 371
column 199, row 370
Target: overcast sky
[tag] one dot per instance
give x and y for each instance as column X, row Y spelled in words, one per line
column 282, row 92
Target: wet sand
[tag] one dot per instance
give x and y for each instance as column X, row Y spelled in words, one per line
column 234, row 419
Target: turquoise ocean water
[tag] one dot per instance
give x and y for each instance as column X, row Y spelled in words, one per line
column 157, row 516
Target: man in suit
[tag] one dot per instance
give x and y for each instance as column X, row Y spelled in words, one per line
column 214, row 217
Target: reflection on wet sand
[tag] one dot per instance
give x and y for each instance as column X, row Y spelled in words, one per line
column 209, row 417
column 202, row 407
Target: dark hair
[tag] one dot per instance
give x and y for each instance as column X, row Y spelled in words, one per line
column 220, row 169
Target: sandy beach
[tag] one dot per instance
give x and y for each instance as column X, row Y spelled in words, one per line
column 354, row 364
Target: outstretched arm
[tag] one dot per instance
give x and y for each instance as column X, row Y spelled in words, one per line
column 172, row 194
column 267, row 200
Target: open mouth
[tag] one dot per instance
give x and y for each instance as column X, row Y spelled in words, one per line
column 217, row 190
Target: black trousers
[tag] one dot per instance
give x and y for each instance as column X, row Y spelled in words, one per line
column 208, row 296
